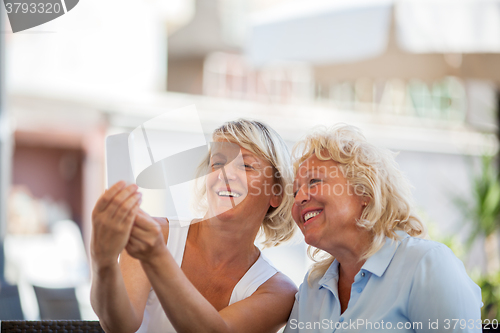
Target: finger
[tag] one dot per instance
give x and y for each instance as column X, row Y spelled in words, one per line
column 134, row 237
column 141, row 240
column 132, row 247
column 141, row 219
column 108, row 195
column 122, row 214
column 135, row 241
column 142, row 212
column 139, row 233
column 162, row 221
column 120, row 198
column 145, row 222
column 128, row 220
column 127, row 227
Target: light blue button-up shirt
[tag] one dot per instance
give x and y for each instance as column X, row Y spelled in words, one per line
column 410, row 285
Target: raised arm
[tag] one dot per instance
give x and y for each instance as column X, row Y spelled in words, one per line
column 265, row 311
column 118, row 307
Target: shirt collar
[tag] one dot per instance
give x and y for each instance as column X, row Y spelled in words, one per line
column 378, row 262
column 330, row 278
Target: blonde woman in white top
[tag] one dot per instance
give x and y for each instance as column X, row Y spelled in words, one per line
column 208, row 277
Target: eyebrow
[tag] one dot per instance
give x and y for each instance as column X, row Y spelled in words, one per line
column 309, row 171
column 217, row 155
column 248, row 156
column 251, row 156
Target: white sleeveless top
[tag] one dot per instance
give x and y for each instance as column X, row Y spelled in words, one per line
column 155, row 320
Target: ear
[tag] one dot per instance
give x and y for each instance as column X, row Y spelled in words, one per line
column 365, row 200
column 276, row 200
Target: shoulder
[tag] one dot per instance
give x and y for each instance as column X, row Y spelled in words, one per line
column 267, row 309
column 440, row 286
column 420, row 245
column 417, row 249
column 280, row 284
column 426, row 264
column 437, row 270
column 436, row 259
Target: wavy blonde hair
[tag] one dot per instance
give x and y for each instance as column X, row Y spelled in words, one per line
column 372, row 172
column 278, row 225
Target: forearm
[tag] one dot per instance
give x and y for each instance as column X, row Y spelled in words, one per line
column 186, row 308
column 111, row 302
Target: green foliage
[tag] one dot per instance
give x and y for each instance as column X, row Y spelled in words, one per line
column 482, row 213
column 451, row 241
column 490, row 292
column 484, row 209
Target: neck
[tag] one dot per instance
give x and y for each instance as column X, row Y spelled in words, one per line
column 349, row 257
column 347, row 272
column 224, row 242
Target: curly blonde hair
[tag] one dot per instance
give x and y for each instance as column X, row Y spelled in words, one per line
column 374, row 173
column 278, row 225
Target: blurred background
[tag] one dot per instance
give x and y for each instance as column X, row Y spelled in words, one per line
column 418, row 77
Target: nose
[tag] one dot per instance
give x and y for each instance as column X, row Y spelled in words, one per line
column 227, row 173
column 302, row 196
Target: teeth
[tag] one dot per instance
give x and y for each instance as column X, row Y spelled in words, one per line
column 228, row 194
column 310, row 215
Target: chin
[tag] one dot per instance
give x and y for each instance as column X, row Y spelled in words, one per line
column 224, row 214
column 311, row 239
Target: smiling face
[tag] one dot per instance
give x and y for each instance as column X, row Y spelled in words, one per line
column 239, row 184
column 326, row 207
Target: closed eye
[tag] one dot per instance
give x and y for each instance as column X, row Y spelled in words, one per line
column 314, row 181
column 217, row 165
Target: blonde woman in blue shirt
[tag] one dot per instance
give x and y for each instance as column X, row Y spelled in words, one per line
column 376, row 273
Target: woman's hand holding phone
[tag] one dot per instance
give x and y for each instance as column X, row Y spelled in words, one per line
column 112, row 220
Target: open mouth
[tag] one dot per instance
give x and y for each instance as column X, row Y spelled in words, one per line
column 228, row 194
column 311, row 215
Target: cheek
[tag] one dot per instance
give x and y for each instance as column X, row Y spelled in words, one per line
column 211, row 179
column 253, row 185
column 350, row 210
column 259, row 184
column 268, row 172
